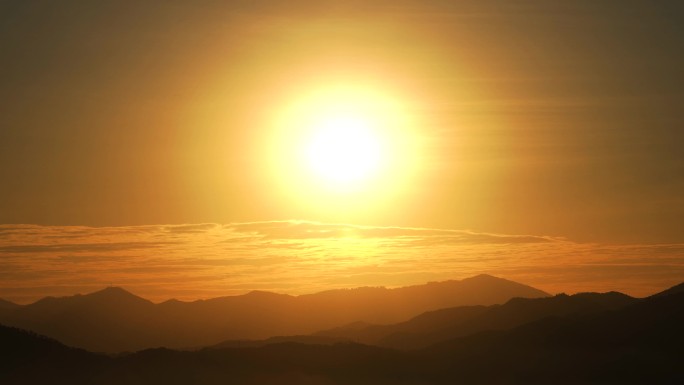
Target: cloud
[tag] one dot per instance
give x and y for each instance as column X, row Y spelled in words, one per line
column 79, row 247
column 193, row 261
column 199, row 228
column 314, row 230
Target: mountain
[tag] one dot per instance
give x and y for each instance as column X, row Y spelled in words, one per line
column 381, row 305
column 6, row 307
column 114, row 320
column 435, row 327
column 28, row 358
column 639, row 342
column 94, row 321
column 444, row 324
column 305, row 339
column 7, row 304
column 423, row 323
column 673, row 290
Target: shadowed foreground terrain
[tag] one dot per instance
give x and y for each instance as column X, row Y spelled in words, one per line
column 628, row 341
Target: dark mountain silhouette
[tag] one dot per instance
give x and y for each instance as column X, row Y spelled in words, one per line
column 673, row 290
column 7, row 304
column 423, row 323
column 304, row 339
column 6, row 307
column 515, row 312
column 637, row 343
column 403, row 303
column 94, row 321
column 444, row 324
column 114, row 320
column 28, row 358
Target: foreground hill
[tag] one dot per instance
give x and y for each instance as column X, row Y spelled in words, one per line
column 28, row 358
column 114, row 320
column 637, row 343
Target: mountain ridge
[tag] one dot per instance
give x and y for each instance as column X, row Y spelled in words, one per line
column 676, row 289
column 637, row 343
column 5, row 304
column 118, row 320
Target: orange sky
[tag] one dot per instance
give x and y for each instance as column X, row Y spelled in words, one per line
column 209, row 260
column 557, row 119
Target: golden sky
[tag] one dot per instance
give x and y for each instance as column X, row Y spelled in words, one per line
column 210, row 260
column 558, row 120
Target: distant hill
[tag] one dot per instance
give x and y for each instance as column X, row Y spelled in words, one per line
column 6, row 307
column 114, row 320
column 639, row 342
column 94, row 321
column 4, row 304
column 673, row 290
column 302, row 339
column 439, row 326
column 445, row 324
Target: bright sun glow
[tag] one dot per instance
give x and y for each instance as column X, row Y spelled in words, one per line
column 343, row 148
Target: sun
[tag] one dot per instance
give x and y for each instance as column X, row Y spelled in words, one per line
column 344, row 149
column 345, row 139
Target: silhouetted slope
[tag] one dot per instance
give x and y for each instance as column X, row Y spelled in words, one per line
column 349, row 330
column 515, row 312
column 28, row 358
column 114, row 320
column 423, row 323
column 100, row 321
column 287, row 363
column 673, row 290
column 304, row 339
column 6, row 307
column 443, row 324
column 640, row 343
column 4, row 304
column 380, row 305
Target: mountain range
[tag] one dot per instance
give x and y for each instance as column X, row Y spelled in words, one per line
column 114, row 320
column 439, row 325
column 587, row 338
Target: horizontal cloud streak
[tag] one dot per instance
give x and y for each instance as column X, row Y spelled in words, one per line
column 205, row 260
column 312, row 230
column 78, row 247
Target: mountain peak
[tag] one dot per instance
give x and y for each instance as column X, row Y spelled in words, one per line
column 112, row 290
column 486, row 282
column 115, row 293
column 483, row 277
column 264, row 295
column 260, row 293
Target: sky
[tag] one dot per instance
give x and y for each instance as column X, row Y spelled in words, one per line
column 155, row 145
